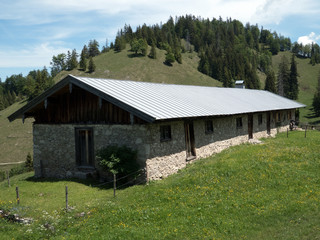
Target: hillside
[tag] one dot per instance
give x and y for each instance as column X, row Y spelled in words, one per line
column 265, row 191
column 126, row 66
column 307, row 80
column 15, row 137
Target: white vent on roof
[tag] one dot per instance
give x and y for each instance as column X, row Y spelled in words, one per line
column 240, row 84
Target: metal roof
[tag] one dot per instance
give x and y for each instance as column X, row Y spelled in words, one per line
column 165, row 101
column 156, row 101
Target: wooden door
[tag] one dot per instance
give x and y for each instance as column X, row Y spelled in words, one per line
column 189, row 138
column 250, row 125
column 268, row 122
column 84, row 147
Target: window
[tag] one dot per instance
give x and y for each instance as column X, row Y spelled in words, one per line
column 278, row 117
column 165, row 133
column 289, row 115
column 239, row 122
column 259, row 119
column 208, row 127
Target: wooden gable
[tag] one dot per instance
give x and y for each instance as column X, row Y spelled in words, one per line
column 72, row 104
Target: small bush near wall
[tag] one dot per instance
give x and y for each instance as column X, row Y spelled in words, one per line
column 120, row 160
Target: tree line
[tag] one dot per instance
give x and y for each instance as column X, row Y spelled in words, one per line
column 286, row 83
column 228, row 50
column 18, row 87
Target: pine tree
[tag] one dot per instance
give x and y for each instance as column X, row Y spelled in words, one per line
column 270, row 82
column 283, row 76
column 29, row 162
column 74, row 59
column 177, row 55
column 1, row 103
column 293, row 80
column 316, row 99
column 93, row 48
column 83, row 60
column 169, row 59
column 153, row 51
column 92, row 66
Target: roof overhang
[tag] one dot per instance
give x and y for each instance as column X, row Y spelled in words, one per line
column 21, row 113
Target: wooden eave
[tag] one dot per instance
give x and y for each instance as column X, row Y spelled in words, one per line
column 36, row 102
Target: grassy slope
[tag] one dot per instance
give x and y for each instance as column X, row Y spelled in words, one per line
column 308, row 76
column 15, row 137
column 268, row 191
column 124, row 65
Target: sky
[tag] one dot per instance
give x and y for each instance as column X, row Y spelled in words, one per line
column 32, row 31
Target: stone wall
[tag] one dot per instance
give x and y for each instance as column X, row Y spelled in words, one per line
column 168, row 157
column 55, row 154
column 54, row 146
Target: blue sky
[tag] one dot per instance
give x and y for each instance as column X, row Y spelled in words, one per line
column 33, row 31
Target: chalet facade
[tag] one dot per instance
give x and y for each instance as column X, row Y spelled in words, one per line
column 169, row 125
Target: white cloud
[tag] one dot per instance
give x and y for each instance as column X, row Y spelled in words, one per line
column 34, row 56
column 274, row 11
column 311, row 38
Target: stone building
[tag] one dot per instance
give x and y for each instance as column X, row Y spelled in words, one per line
column 169, row 125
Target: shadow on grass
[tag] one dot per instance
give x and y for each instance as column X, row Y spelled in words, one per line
column 122, row 183
column 135, row 55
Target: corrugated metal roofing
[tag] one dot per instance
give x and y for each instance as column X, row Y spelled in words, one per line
column 168, row 101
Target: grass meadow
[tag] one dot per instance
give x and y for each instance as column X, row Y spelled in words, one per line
column 266, row 191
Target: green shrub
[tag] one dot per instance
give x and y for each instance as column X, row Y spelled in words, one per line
column 118, row 160
column 18, row 170
column 29, row 162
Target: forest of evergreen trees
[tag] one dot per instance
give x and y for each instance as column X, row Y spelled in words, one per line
column 228, row 51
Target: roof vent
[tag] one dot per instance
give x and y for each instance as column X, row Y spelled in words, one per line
column 239, row 84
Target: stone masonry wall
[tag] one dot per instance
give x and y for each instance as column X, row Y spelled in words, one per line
column 168, row 157
column 55, row 156
column 54, row 146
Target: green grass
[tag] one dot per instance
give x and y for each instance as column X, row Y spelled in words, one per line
column 15, row 137
column 124, row 65
column 267, row 191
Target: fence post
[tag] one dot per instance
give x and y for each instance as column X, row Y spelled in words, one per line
column 67, row 198
column 8, row 177
column 18, row 198
column 287, row 132
column 114, row 185
column 305, row 132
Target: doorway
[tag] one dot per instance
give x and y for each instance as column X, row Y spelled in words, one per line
column 250, row 126
column 268, row 123
column 189, row 138
column 84, row 147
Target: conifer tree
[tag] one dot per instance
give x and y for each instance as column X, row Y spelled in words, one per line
column 270, row 82
column 93, row 48
column 153, row 51
column 74, row 59
column 1, row 103
column 283, row 76
column 92, row 66
column 316, row 99
column 293, row 90
column 83, row 60
column 169, row 59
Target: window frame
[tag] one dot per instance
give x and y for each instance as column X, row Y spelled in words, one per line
column 165, row 133
column 239, row 123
